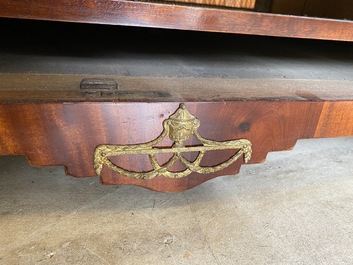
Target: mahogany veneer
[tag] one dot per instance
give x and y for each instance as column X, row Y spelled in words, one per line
column 67, row 134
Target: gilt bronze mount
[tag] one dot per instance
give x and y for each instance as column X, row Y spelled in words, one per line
column 179, row 127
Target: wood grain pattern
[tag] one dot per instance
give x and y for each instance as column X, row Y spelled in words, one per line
column 246, row 4
column 177, row 17
column 66, row 134
column 336, row 117
column 39, row 88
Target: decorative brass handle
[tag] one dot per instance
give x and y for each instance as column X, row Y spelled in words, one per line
column 179, row 127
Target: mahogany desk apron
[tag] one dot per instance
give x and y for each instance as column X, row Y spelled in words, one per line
column 161, row 108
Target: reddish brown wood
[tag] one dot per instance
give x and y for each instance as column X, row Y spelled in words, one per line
column 246, row 4
column 133, row 13
column 336, row 120
column 66, row 134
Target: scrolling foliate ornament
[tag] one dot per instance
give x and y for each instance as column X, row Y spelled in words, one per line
column 179, row 127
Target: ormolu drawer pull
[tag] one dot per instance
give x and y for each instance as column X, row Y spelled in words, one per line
column 179, row 127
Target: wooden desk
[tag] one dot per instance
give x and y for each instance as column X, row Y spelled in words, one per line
column 271, row 91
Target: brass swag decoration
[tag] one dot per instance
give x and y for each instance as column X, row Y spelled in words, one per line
column 179, row 127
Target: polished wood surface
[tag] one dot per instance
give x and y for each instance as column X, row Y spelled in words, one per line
column 156, row 15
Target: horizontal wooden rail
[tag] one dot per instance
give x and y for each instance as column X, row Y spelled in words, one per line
column 157, row 15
